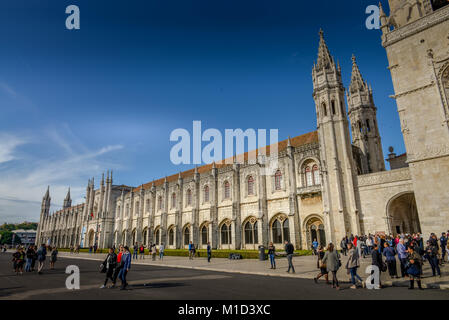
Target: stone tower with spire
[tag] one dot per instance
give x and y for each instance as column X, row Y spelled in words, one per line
column 339, row 205
column 45, row 212
column 363, row 118
column 67, row 201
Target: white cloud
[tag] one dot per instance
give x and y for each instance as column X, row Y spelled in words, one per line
column 23, row 184
column 8, row 144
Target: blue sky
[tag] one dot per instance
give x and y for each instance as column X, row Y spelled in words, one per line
column 76, row 103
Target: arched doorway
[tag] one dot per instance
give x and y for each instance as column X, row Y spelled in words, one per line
column 315, row 230
column 91, row 238
column 402, row 214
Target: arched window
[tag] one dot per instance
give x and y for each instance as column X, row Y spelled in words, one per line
column 280, row 229
column 278, row 180
column 342, row 108
column 250, row 186
column 316, row 175
column 227, row 190
column 277, row 232
column 367, row 125
column 204, row 235
column 144, row 236
column 285, row 231
column 171, row 237
column 206, row 193
column 250, row 230
column 157, row 237
column 333, row 107
column 173, row 200
column 226, row 234
column 159, row 203
column 249, row 236
column 189, row 197
column 309, row 177
column 324, row 108
column 186, row 235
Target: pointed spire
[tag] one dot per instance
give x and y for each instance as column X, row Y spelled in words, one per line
column 357, row 82
column 289, row 142
column 325, row 59
column 381, row 10
column 214, row 166
column 102, row 179
column 196, row 169
column 47, row 194
column 67, row 197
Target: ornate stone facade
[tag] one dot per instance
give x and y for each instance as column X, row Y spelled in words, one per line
column 325, row 186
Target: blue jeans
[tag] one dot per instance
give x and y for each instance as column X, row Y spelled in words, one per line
column 354, row 275
column 122, row 276
column 161, row 254
column 434, row 265
column 28, row 265
column 272, row 261
column 135, row 254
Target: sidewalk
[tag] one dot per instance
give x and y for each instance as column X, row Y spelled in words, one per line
column 305, row 267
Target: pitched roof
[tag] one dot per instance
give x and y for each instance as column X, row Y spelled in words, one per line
column 308, row 138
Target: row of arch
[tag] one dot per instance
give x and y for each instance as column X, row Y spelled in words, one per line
column 279, row 229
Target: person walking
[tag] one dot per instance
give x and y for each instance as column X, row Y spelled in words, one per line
column 142, row 251
column 402, row 255
column 119, row 266
column 29, row 258
column 321, row 266
column 271, row 254
column 109, row 264
column 126, row 265
column 352, row 264
column 390, row 256
column 289, row 249
column 343, row 245
column 376, row 260
column 41, row 255
column 53, row 258
column 191, row 250
column 18, row 258
column 443, row 246
column 431, row 254
column 315, row 247
column 135, row 251
column 161, row 251
column 332, row 261
column 209, row 252
column 153, row 251
column 414, row 268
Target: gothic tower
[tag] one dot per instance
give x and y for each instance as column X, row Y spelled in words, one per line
column 415, row 36
column 45, row 211
column 339, row 203
column 67, row 201
column 362, row 115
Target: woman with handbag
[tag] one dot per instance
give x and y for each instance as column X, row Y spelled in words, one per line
column 321, row 266
column 352, row 265
column 414, row 267
column 390, row 256
column 108, row 267
column 332, row 261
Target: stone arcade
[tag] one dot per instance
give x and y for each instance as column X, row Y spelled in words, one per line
column 325, row 187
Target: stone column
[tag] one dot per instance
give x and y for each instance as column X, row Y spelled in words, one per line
column 236, row 215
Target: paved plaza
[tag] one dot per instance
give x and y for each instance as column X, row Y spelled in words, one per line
column 194, row 280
